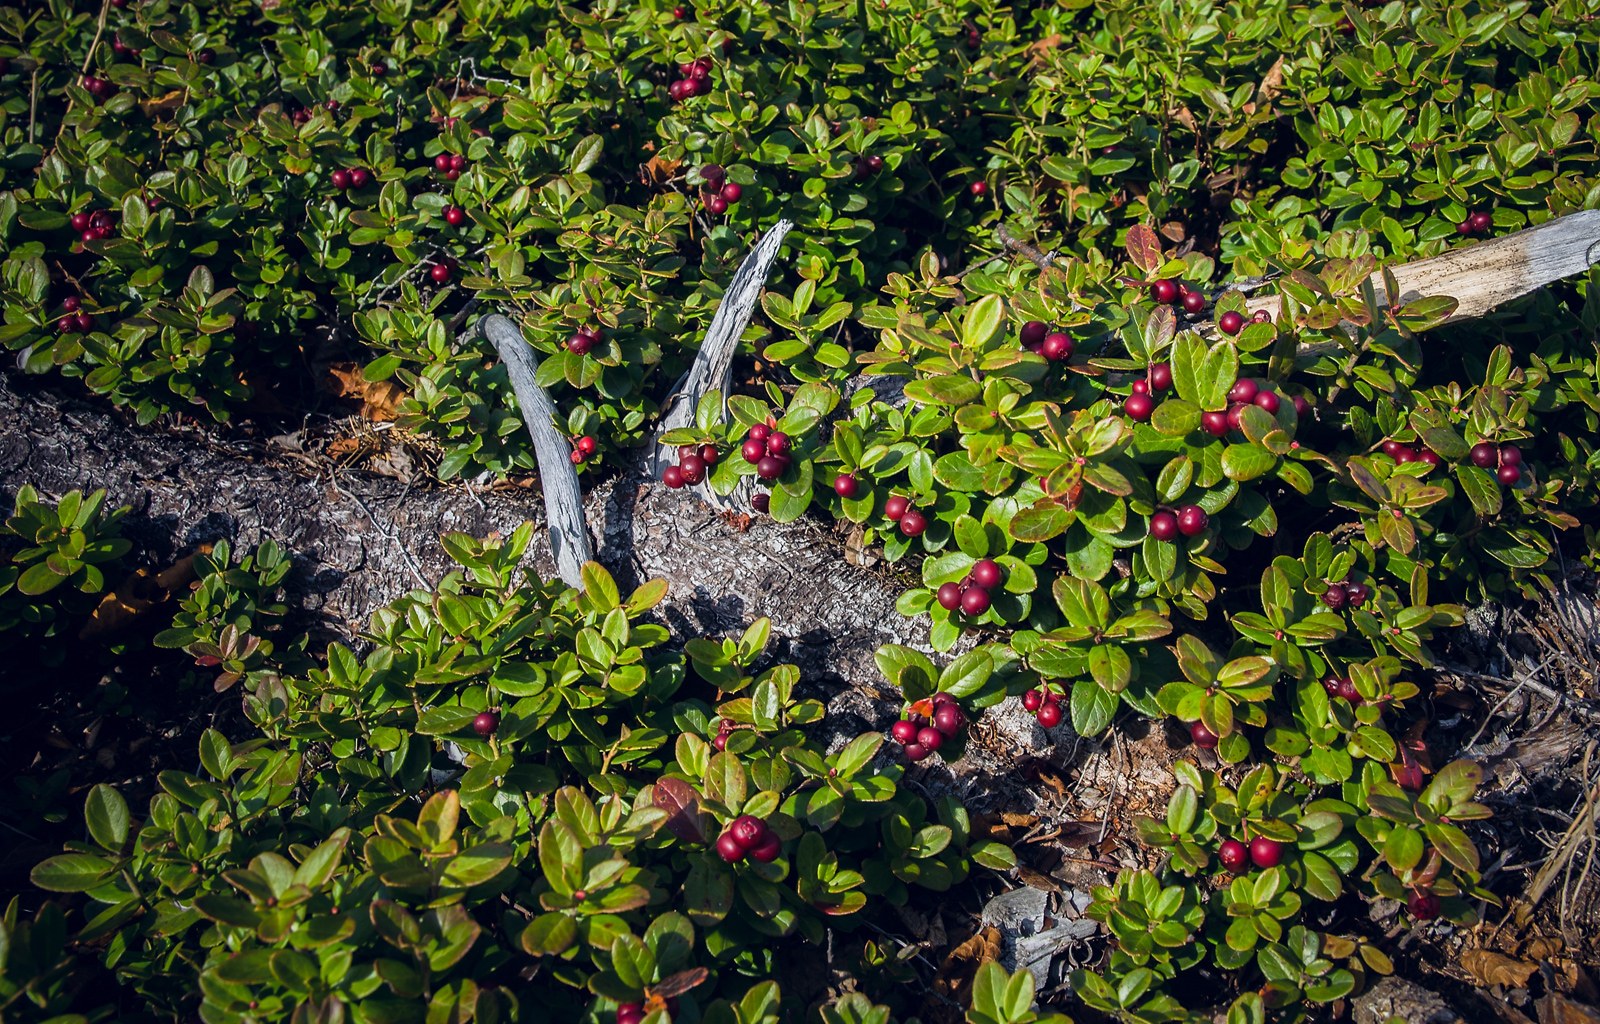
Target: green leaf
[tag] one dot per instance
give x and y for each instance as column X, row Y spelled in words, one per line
column 107, row 816
column 586, row 154
column 981, row 323
column 71, row 872
column 1242, row 462
column 1093, row 707
column 966, row 674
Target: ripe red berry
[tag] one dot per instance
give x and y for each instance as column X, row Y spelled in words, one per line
column 672, row 476
column 1214, row 423
column 1424, row 905
column 1032, row 699
column 71, row 303
column 379, row 70
column 1160, row 376
column 759, row 432
column 1261, row 316
column 895, row 507
column 916, row 751
column 587, row 445
column 1164, row 526
column 979, row 188
column 1509, row 475
column 1357, row 594
column 769, row 467
column 913, row 523
column 708, row 454
column 440, row 273
column 455, row 216
column 748, row 831
column 904, row 731
column 929, row 738
column 778, row 443
column 1193, row 303
column 1243, row 391
column 845, row 485
column 1139, row 407
column 692, row 468
column 1164, row 291
column 986, row 573
column 1302, row 406
column 948, row 719
column 1049, row 715
column 579, row 344
column 1483, row 454
column 340, row 179
column 1480, row 221
column 1267, row 401
column 1233, row 855
column 576, row 457
column 441, row 163
column 768, row 851
column 83, row 322
column 1141, row 387
column 1231, row 322
column 1192, row 520
column 458, row 162
column 728, row 848
column 1056, row 347
column 1265, row 853
column 486, row 723
column 753, row 451
column 1032, row 333
column 761, row 502
column 1334, row 597
column 975, row 601
column 1202, row 736
column 80, row 222
column 630, row 1013
column 731, row 193
column 680, row 13
column 1510, row 455
column 716, row 205
column 1347, row 690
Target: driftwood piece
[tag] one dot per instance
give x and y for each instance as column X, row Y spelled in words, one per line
column 563, row 500
column 713, row 365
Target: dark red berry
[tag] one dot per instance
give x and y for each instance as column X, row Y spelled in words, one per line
column 1164, row 526
column 71, row 303
column 80, row 222
column 1334, row 596
column 708, row 454
column 916, row 751
column 1480, row 221
column 1032, row 334
column 1032, row 699
column 1164, row 291
column 768, row 851
column 748, row 831
column 1427, row 456
column 486, row 723
column 769, row 467
column 1202, row 736
column 692, row 468
column 455, row 216
column 759, row 432
column 761, row 502
column 672, row 476
column 904, row 731
column 1243, row 391
column 895, row 507
column 1267, row 401
column 913, row 523
column 986, row 573
column 1049, row 714
column 1192, row 520
column 83, row 322
column 948, row 719
column 1139, row 407
column 975, row 601
column 1510, row 455
column 1302, row 406
column 753, row 451
column 1348, row 690
column 714, row 175
column 845, row 485
column 458, row 162
column 979, row 188
column 930, row 738
column 1141, row 387
column 340, row 179
column 728, row 848
column 1193, row 303
column 1424, row 905
column 587, row 445
column 1265, row 853
column 1231, row 322
column 778, row 443
column 441, row 163
column 731, row 193
column 579, row 344
column 1509, row 475
column 1160, row 376
column 440, row 273
column 1214, row 423
column 716, row 205
column 1233, row 855
column 1357, row 594
column 1483, row 454
column 1056, row 347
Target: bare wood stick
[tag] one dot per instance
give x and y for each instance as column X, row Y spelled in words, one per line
column 563, row 500
column 713, row 366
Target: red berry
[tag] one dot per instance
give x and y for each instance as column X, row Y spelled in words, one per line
column 441, row 163
column 1032, row 333
column 913, row 523
column 1202, row 736
column 768, row 851
column 778, row 443
column 1404, row 455
column 1302, row 406
column 1056, row 347
column 1424, row 905
column 728, row 848
column 680, row 13
column 916, row 751
column 948, row 719
column 576, row 457
column 1510, row 455
column 761, row 502
column 1161, row 376
column 708, row 454
column 1267, row 401
column 458, row 162
column 874, row 163
column 486, row 723
column 1139, row 407
column 979, row 188
column 1347, row 690
column 587, row 445
column 975, row 601
column 1510, row 475
column 986, row 573
column 340, row 179
column 759, row 432
column 1334, row 597
column 753, row 451
column 716, row 205
column 1032, row 699
column 1192, row 520
column 1243, row 391
column 359, row 176
column 1050, row 715
column 692, row 468
column 630, row 1013
column 579, row 344
column 895, row 507
column 1261, row 316
column 1480, row 221
column 1265, row 853
column 1164, row 526
column 440, row 273
column 1164, row 291
column 1141, row 387
column 1214, row 423
column 672, row 476
column 1331, row 685
column 929, row 738
column 80, row 222
column 845, row 485
column 1233, row 855
column 379, row 70
column 71, row 303
column 748, row 831
column 1193, row 303
column 1357, row 594
column 1231, row 322
column 904, row 731
column 83, row 322
column 731, row 193
column 769, row 467
column 1483, row 454
column 455, row 216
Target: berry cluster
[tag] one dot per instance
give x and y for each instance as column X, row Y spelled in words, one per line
column 767, row 450
column 1506, row 458
column 696, row 80
column 355, row 177
column 1055, row 346
column 1262, row 852
column 450, row 165
column 748, row 836
column 868, row 164
column 1340, row 687
column 1403, row 453
column 971, row 595
column 694, row 461
column 1188, row 520
column 100, row 88
column 122, row 49
column 720, row 193
column 1139, row 405
column 1246, row 391
column 582, row 448
column 95, row 225
column 1169, row 292
column 1477, row 223
column 1345, row 594
column 586, row 338
column 724, row 730
column 1233, row 321
column 927, row 725
column 73, row 319
column 1045, row 704
column 898, row 510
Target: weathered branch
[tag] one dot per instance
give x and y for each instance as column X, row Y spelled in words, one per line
column 563, row 501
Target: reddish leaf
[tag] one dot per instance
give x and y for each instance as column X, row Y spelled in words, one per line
column 679, row 798
column 1144, row 248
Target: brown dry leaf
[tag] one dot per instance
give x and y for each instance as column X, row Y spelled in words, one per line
column 658, row 172
column 163, row 104
column 1184, row 116
column 955, row 974
column 1554, row 1009
column 856, row 551
column 1489, row 969
column 1043, row 46
column 141, row 591
column 342, row 446
column 1036, row 880
column 378, row 398
column 1271, row 83
column 396, row 463
column 1174, row 231
column 1541, row 948
column 1079, row 834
